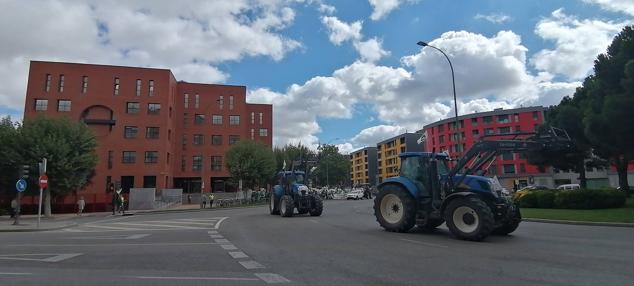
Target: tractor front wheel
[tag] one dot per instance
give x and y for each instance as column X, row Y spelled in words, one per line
column 286, row 206
column 395, row 209
column 469, row 218
column 511, row 224
column 318, row 206
column 273, row 205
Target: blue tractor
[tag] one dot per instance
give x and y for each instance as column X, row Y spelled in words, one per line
column 427, row 192
column 291, row 192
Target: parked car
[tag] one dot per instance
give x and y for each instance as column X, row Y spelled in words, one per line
column 525, row 190
column 355, row 194
column 569, row 187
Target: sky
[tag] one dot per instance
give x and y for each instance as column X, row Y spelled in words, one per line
column 346, row 72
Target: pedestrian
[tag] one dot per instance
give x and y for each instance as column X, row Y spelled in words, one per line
column 121, row 204
column 189, row 199
column 204, row 199
column 14, row 207
column 211, row 200
column 114, row 198
column 81, row 204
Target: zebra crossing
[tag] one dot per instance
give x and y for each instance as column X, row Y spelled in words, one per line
column 150, row 225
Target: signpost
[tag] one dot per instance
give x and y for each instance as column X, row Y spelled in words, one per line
column 43, row 182
column 20, row 186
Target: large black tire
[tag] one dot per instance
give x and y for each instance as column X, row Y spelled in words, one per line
column 286, row 206
column 274, row 207
column 511, row 224
column 318, row 206
column 430, row 224
column 395, row 209
column 469, row 218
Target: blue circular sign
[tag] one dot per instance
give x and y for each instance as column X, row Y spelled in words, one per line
column 20, row 185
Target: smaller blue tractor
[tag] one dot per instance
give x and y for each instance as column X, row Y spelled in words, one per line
column 291, row 192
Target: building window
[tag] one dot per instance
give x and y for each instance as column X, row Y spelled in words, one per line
column 493, row 170
column 197, row 163
column 507, row 156
column 61, row 83
column 199, row 139
column 110, row 159
column 186, row 103
column 41, row 104
column 489, row 131
column 47, row 86
column 517, row 129
column 153, row 108
column 138, row 87
column 132, row 107
column 509, row 169
column 130, row 132
column 196, row 100
column 522, row 168
column 216, row 163
column 252, row 133
column 264, row 132
column 216, row 139
column 84, row 84
column 199, row 119
column 168, row 157
column 234, row 119
column 522, row 155
column 475, row 132
column 535, row 115
column 231, row 102
column 474, row 122
column 504, row 130
column 116, row 86
column 233, row 139
column 221, row 102
column 185, row 119
column 151, row 157
column 504, row 118
column 63, row 105
column 252, row 118
column 184, row 142
column 441, row 128
column 129, row 157
column 150, row 88
column 152, row 132
column 487, row 120
column 517, row 117
column 183, row 163
column 216, row 119
column 169, row 134
column 260, row 118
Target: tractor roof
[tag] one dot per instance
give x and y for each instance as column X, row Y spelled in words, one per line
column 423, row 154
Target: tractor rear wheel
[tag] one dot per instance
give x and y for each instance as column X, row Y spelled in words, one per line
column 511, row 223
column 395, row 209
column 469, row 218
column 318, row 206
column 273, row 205
column 286, row 206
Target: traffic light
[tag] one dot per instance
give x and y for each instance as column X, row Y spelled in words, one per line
column 25, row 171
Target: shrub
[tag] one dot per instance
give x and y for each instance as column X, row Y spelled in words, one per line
column 573, row 199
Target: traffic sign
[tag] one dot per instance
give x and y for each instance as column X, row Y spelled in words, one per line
column 20, row 185
column 43, row 181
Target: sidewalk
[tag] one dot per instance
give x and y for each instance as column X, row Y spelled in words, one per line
column 29, row 222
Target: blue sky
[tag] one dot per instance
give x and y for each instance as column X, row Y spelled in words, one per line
column 332, row 69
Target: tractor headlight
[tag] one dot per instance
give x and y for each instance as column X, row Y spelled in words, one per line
column 303, row 190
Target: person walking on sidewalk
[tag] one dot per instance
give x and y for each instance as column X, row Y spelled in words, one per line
column 211, row 200
column 204, row 199
column 14, row 207
column 81, row 204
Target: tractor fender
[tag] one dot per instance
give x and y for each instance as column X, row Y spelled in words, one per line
column 404, row 183
column 453, row 196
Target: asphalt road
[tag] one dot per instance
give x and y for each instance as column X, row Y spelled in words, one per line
column 345, row 246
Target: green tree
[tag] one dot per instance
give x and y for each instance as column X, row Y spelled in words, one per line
column 609, row 105
column 9, row 157
column 333, row 167
column 298, row 154
column 251, row 162
column 69, row 148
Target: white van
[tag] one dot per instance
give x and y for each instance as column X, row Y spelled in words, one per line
column 569, row 187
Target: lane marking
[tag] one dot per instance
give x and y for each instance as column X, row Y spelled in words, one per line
column 197, row 219
column 52, row 257
column 15, row 273
column 179, row 222
column 238, row 254
column 196, row 278
column 115, row 244
column 212, row 232
column 217, row 226
column 216, row 236
column 221, row 240
column 228, row 246
column 110, row 220
column 159, row 225
column 272, row 278
column 425, row 243
column 118, row 236
column 250, row 264
column 312, row 220
column 109, row 227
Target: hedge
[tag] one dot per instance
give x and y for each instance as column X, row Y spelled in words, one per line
column 573, row 199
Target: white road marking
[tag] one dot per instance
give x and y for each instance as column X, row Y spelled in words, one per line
column 118, row 236
column 15, row 273
column 228, row 246
column 109, row 227
column 425, row 243
column 312, row 220
column 238, row 254
column 222, row 240
column 217, row 226
column 52, row 257
column 113, row 244
column 212, row 232
column 250, row 264
column 179, row 222
column 159, row 225
column 272, row 278
column 196, row 278
column 216, row 236
column 198, row 219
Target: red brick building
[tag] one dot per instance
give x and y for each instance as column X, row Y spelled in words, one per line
column 152, row 130
column 442, row 136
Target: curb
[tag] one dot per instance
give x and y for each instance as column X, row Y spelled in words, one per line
column 192, row 210
column 572, row 222
column 38, row 229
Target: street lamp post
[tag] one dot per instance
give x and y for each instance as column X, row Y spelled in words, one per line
column 453, row 81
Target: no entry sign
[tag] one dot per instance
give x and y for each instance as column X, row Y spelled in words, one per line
column 43, row 181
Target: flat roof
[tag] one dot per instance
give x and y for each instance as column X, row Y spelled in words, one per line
column 486, row 113
column 422, row 154
column 398, row 136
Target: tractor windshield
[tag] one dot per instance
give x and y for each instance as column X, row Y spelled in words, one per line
column 443, row 169
column 415, row 168
column 296, row 178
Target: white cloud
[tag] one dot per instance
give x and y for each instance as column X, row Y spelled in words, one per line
column 340, row 31
column 625, row 6
column 380, row 8
column 326, row 9
column 494, row 18
column 372, row 135
column 370, row 50
column 189, row 37
column 577, row 44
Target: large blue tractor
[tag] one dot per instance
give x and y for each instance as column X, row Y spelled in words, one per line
column 427, row 192
column 291, row 192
